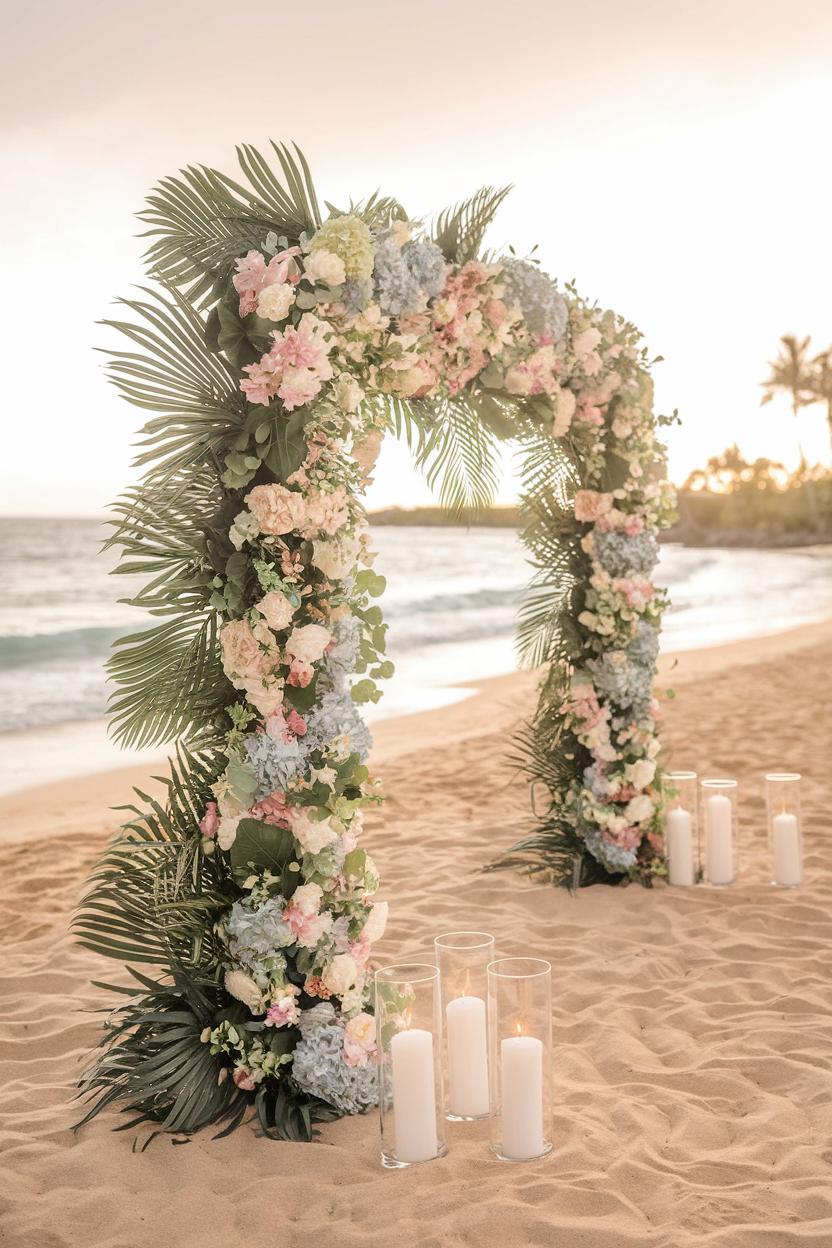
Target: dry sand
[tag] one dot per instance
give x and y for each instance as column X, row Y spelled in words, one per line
column 693, row 1027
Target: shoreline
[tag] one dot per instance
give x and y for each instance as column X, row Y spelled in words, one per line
column 494, row 703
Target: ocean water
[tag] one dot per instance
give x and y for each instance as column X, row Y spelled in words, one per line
column 451, row 601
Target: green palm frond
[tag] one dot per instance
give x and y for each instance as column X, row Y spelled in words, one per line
column 202, row 220
column 173, row 373
column 154, row 895
column 170, row 682
column 460, row 230
column 458, row 454
column 155, row 1061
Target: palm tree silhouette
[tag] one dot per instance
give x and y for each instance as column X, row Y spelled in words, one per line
column 821, row 382
column 791, row 374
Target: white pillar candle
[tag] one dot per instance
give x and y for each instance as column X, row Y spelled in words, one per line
column 414, row 1095
column 678, row 830
column 786, row 849
column 719, row 847
column 467, row 1057
column 521, row 1069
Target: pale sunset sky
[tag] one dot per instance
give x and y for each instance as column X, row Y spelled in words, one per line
column 672, row 157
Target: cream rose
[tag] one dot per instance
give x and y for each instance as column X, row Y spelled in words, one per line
column 376, row 922
column 276, row 509
column 585, row 343
column 248, row 654
column 277, row 609
column 325, row 513
column 244, row 529
column 275, row 301
column 308, row 642
column 324, row 266
column 347, row 393
column 340, row 975
column 564, row 402
column 639, row 808
column 336, row 559
column 227, row 831
column 243, row 987
column 640, row 774
column 312, row 837
column 366, row 450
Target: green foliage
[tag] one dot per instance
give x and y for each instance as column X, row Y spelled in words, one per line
column 261, row 847
column 460, row 230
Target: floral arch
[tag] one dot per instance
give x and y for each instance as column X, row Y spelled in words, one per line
column 276, row 347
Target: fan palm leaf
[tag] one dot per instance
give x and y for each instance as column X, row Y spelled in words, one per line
column 460, row 230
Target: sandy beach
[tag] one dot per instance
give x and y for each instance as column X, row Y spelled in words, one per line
column 692, row 1027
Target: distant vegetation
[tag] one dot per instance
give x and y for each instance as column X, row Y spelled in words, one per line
column 731, row 501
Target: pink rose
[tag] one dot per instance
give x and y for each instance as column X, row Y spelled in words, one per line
column 308, row 643
column 244, row 1079
column 277, row 609
column 248, row 654
column 297, row 723
column 591, row 506
column 300, row 674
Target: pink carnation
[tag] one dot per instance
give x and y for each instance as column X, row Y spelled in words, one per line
column 284, row 1010
column 210, row 821
column 253, row 275
column 244, row 1079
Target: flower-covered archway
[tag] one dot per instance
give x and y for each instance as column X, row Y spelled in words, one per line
column 276, row 347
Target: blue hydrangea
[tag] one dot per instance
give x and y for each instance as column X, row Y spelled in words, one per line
column 274, row 761
column 254, row 934
column 544, row 309
column 318, row 1065
column 356, row 294
column 426, row 264
column 396, row 289
column 620, row 680
column 644, row 647
column 336, row 715
column 342, row 657
column 610, row 856
column 620, row 555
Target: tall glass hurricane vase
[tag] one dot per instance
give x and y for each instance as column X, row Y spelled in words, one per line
column 520, row 1052
column 463, row 958
column 409, row 1037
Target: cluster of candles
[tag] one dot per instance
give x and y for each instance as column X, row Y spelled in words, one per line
column 464, row 1039
column 713, row 858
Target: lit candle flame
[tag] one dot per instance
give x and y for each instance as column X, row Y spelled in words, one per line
column 519, row 1028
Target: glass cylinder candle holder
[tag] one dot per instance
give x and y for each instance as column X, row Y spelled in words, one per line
column 720, row 828
column 520, row 1057
column 409, row 1054
column 784, row 835
column 681, row 830
column 463, row 958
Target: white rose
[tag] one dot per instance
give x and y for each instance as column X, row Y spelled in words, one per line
column 586, row 342
column 336, row 559
column 324, row 266
column 640, row 774
column 277, row 609
column 373, row 929
column 313, row 837
column 275, row 301
column 307, row 898
column 346, row 392
column 227, row 831
column 565, row 404
column 243, row 987
column 244, row 529
column 308, row 642
column 340, row 975
column 639, row 808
